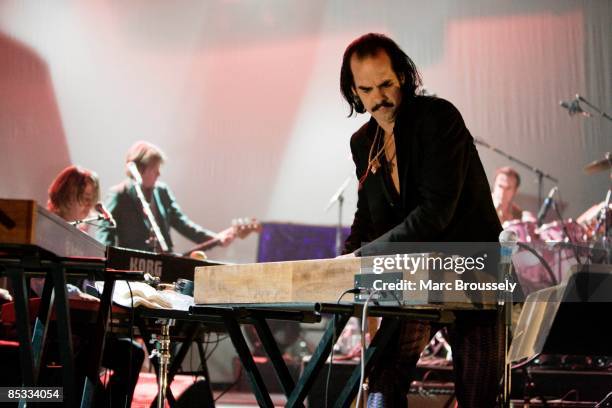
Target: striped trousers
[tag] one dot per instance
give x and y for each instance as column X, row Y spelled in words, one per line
column 476, row 342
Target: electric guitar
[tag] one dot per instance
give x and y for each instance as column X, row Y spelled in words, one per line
column 241, row 227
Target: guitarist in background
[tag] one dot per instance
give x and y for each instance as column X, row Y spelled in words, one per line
column 133, row 227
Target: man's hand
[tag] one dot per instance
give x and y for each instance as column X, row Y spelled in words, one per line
column 226, row 236
column 5, row 296
column 84, row 296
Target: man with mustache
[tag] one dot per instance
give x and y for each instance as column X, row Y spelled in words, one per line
column 420, row 180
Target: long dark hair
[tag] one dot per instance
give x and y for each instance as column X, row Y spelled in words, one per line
column 368, row 45
column 69, row 186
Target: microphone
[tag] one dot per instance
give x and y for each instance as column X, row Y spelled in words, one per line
column 481, row 142
column 508, row 242
column 570, row 106
column 133, row 169
column 546, row 205
column 105, row 214
column 573, row 107
column 426, row 92
column 507, row 239
column 338, row 193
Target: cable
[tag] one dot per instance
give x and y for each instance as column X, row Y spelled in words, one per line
column 212, row 351
column 106, row 375
column 217, row 340
column 570, row 392
column 543, row 261
column 216, row 344
column 566, row 233
column 331, row 360
column 364, row 319
column 131, row 344
column 232, row 385
column 364, row 326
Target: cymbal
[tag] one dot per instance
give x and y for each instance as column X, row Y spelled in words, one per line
column 599, row 165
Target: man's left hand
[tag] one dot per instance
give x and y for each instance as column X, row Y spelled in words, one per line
column 5, row 296
column 226, row 236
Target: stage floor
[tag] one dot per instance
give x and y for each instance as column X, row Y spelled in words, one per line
column 146, row 389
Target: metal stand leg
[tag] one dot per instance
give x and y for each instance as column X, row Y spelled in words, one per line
column 317, row 361
column 507, row 310
column 22, row 321
column 39, row 335
column 276, row 358
column 202, row 354
column 163, row 354
column 64, row 334
column 190, row 331
column 257, row 384
column 99, row 341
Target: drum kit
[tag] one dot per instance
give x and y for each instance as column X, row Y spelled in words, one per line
column 561, row 243
column 529, row 232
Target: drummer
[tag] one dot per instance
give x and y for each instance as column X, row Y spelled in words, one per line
column 505, row 186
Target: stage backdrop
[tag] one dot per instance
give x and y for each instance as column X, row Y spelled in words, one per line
column 244, row 98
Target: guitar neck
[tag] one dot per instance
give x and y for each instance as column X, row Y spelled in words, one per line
column 239, row 229
column 204, row 246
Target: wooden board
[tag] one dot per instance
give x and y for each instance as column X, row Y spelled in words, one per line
column 319, row 281
column 275, row 282
column 17, row 220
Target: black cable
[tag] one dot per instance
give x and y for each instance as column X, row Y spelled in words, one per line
column 232, row 385
column 331, row 360
column 543, row 261
column 195, row 377
column 217, row 340
column 364, row 328
column 106, row 375
column 206, row 342
column 131, row 344
column 570, row 392
column 566, row 233
column 204, row 350
column 216, row 344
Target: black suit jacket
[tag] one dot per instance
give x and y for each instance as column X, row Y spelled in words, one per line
column 444, row 192
column 133, row 229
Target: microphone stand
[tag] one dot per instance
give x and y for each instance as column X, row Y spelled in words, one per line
column 339, row 197
column 339, row 226
column 508, row 246
column 539, row 173
column 595, row 108
column 157, row 237
column 604, row 219
column 87, row 220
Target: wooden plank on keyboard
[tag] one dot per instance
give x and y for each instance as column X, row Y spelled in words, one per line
column 275, row 282
column 323, row 280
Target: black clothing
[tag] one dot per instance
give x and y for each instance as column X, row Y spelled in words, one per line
column 133, row 228
column 444, row 192
column 444, row 197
